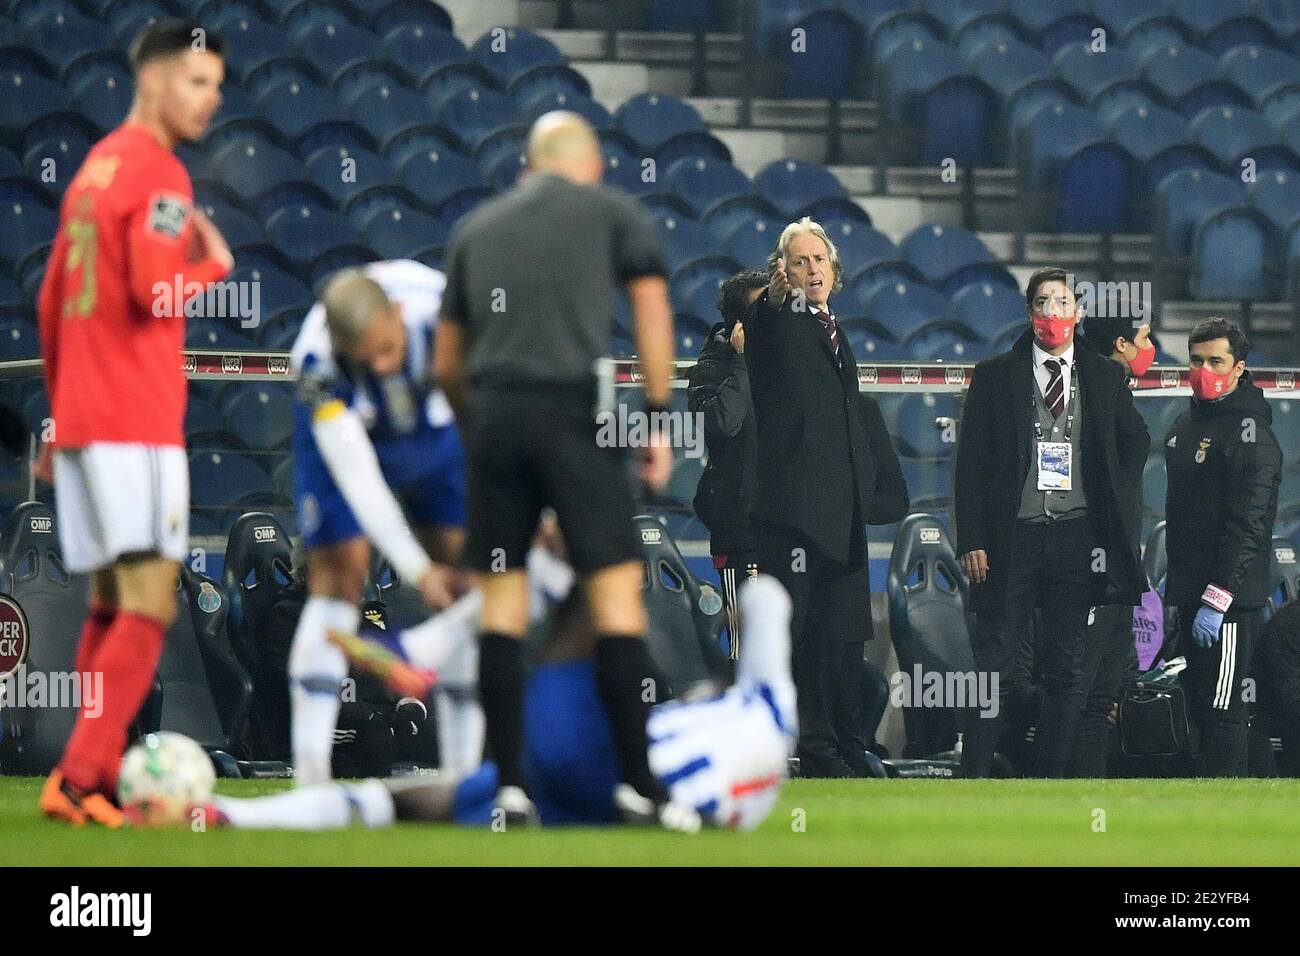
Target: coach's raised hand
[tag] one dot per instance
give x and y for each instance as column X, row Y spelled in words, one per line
column 779, row 287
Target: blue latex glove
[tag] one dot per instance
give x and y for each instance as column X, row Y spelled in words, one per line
column 1205, row 629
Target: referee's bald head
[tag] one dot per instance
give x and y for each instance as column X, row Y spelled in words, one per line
column 564, row 143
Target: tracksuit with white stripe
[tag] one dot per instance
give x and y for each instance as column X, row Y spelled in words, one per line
column 1224, row 467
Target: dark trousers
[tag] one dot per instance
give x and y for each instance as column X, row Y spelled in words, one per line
column 1215, row 695
column 830, row 620
column 1048, row 566
column 736, row 567
column 1109, row 662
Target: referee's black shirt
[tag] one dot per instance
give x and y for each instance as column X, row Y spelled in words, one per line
column 533, row 277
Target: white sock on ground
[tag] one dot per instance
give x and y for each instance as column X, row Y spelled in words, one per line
column 325, row 806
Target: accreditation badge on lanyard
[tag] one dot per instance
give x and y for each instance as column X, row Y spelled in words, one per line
column 1056, row 458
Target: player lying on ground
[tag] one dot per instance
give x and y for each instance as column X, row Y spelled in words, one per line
column 370, row 428
column 115, row 447
column 723, row 758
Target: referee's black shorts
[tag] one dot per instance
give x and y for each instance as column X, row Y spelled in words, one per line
column 530, row 447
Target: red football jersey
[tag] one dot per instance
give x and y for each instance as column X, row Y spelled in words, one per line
column 111, row 330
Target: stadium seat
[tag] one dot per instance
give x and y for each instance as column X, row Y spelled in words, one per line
column 386, row 110
column 651, row 119
column 202, row 422
column 62, row 40
column 691, row 145
column 60, row 157
column 1259, row 71
column 304, row 234
column 1160, row 140
column 1153, row 31
column 18, row 340
column 534, row 102
column 701, row 182
column 507, row 52
column 388, row 15
column 260, row 415
column 1233, row 135
column 791, row 184
column 227, row 481
column 474, row 114
column 345, row 173
column 684, row 239
column 333, row 47
column 419, row 51
column 398, row 234
column 726, row 214
column 989, row 308
column 929, row 87
column 927, row 622
column 750, row 243
column 1231, row 255
column 27, row 227
column 940, row 252
column 443, row 179
column 1089, row 74
column 1069, row 28
column 903, row 307
column 947, row 342
column 887, row 29
column 24, row 98
column 1008, row 65
column 859, row 246
column 833, row 71
column 916, row 428
column 1277, row 195
column 1187, row 197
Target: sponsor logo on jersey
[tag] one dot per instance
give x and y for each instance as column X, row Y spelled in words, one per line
column 167, row 212
column 1200, row 452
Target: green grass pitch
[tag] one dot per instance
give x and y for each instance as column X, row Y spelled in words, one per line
column 854, row 822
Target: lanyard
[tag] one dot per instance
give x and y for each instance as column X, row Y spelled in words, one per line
column 1069, row 408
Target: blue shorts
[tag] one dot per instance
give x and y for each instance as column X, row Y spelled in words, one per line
column 426, row 473
column 569, row 758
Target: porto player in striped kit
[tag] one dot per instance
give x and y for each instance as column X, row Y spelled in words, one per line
column 112, row 348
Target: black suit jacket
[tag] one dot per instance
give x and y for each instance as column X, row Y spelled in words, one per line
column 816, row 470
column 993, row 459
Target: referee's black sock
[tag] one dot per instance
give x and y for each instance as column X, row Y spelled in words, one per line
column 622, row 667
column 501, row 692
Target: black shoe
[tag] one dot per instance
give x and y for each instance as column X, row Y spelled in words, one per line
column 824, row 766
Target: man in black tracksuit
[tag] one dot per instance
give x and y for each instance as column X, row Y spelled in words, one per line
column 1224, row 468
column 718, row 389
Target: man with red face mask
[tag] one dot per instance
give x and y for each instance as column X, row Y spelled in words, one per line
column 1049, row 466
column 1224, row 469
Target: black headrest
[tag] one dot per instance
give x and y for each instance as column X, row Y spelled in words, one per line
column 31, row 544
column 1155, row 558
column 1284, row 569
column 257, row 543
column 922, row 542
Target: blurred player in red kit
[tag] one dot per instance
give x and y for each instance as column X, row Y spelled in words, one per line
column 111, row 338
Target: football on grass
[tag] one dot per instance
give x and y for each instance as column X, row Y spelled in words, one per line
column 164, row 774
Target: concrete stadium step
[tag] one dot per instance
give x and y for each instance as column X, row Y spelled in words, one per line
column 470, row 19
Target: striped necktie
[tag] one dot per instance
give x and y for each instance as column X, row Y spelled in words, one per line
column 1055, row 394
column 828, row 323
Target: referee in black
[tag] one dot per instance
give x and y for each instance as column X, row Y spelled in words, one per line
column 532, row 278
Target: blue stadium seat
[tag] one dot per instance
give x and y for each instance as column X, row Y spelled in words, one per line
column 1160, row 140
column 988, row 28
column 1065, row 149
column 250, row 172
column 454, row 78
column 226, row 480
column 691, row 145
column 346, row 173
column 547, row 77
column 684, row 239
column 299, row 112
column 1232, row 250
column 694, row 288
column 388, row 16
column 1277, row 196
column 904, row 307
column 386, row 111
column 535, row 102
column 751, row 242
column 11, row 295
column 260, row 415
column 503, row 172
column 304, row 234
column 202, row 421
column 929, row 87
column 24, row 98
column 506, row 52
column 238, row 228
column 939, row 251
column 26, row 228
column 1204, row 18
column 1232, row 135
column 251, row 45
column 1185, row 198
column 887, row 30
column 443, row 177
column 18, row 340
column 1259, row 70
column 475, row 114
column 127, row 19
column 989, row 309
column 403, row 147
column 727, row 214
column 1068, row 28
column 869, row 347
column 334, row 46
column 404, row 234
column 1249, row 31
column 103, row 97
column 1176, row 70
column 956, row 15
column 63, row 39
column 859, row 246
column 509, row 141
column 833, row 71
column 1089, row 73
column 946, row 342
column 217, row 333
column 791, row 184
column 701, row 182
column 1284, row 15
column 420, row 52
column 66, row 154
column 914, row 423
column 651, row 119
column 1153, row 31
column 625, row 171
column 1008, row 65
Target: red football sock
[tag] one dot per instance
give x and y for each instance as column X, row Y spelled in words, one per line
column 127, row 659
column 93, row 630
